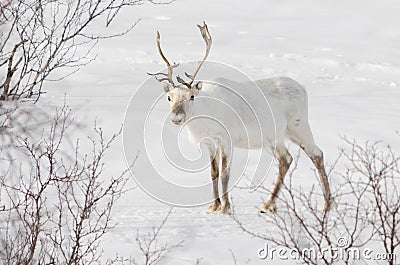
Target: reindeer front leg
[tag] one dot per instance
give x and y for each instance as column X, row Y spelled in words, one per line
column 226, row 156
column 214, row 157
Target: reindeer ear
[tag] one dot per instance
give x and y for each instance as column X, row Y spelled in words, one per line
column 198, row 85
column 166, row 87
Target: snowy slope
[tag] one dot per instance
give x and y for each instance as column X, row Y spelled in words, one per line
column 344, row 52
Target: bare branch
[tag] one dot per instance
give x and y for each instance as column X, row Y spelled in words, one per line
column 46, row 36
column 149, row 245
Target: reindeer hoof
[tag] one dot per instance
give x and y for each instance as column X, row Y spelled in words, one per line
column 214, row 207
column 225, row 208
column 268, row 207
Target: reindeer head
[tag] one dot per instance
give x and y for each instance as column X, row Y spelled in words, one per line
column 182, row 95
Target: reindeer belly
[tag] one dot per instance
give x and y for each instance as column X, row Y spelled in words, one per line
column 241, row 134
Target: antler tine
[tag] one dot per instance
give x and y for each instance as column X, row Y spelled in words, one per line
column 168, row 76
column 183, row 82
column 155, row 74
column 208, row 40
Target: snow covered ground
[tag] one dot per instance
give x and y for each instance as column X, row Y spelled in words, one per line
column 346, row 53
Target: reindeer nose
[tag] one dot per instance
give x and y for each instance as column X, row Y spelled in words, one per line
column 178, row 118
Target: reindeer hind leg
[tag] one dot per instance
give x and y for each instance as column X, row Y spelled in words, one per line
column 302, row 136
column 285, row 159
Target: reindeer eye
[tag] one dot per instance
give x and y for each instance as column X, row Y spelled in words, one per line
column 192, row 97
column 169, row 98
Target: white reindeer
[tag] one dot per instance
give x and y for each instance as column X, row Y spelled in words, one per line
column 288, row 102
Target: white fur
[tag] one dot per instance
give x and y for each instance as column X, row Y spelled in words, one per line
column 286, row 98
column 226, row 114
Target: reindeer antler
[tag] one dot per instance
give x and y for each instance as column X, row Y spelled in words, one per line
column 208, row 40
column 168, row 76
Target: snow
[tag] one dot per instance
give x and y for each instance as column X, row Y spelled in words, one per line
column 345, row 53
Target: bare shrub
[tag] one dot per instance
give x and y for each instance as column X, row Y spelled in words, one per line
column 39, row 37
column 367, row 213
column 56, row 205
column 152, row 250
column 377, row 171
column 16, row 121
